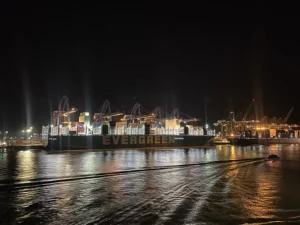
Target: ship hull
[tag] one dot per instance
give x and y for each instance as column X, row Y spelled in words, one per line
column 124, row 141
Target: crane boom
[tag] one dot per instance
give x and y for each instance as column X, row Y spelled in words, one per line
column 248, row 110
column 288, row 115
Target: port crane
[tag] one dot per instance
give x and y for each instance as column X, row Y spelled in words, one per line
column 105, row 113
column 63, row 111
column 156, row 115
column 136, row 115
column 288, row 115
column 157, row 112
column 251, row 105
column 248, row 123
column 176, row 114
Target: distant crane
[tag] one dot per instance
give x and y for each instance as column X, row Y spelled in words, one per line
column 280, row 120
column 239, row 116
column 264, row 119
column 105, row 113
column 63, row 111
column 136, row 109
column 105, row 108
column 274, row 119
column 288, row 115
column 157, row 112
column 174, row 114
column 232, row 116
column 134, row 113
column 248, row 110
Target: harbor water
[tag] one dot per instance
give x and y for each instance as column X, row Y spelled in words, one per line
column 217, row 185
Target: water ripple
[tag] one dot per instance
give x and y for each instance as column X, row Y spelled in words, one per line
column 226, row 185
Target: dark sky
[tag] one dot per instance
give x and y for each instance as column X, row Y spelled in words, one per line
column 171, row 55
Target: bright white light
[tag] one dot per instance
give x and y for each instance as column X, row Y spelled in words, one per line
column 206, row 126
column 60, row 126
column 28, row 130
column 23, row 131
column 86, row 114
column 6, row 132
column 51, row 125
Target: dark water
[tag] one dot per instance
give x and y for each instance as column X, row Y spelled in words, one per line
column 223, row 185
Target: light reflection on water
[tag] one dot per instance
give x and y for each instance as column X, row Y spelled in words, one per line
column 172, row 186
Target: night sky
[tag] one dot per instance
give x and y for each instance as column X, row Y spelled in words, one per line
column 170, row 55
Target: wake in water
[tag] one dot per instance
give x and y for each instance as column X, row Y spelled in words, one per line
column 177, row 200
column 49, row 180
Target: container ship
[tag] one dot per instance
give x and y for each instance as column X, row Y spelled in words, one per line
column 107, row 130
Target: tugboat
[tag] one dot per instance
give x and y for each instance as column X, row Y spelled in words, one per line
column 220, row 141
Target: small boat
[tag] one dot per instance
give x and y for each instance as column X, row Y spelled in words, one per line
column 272, row 157
column 220, row 141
